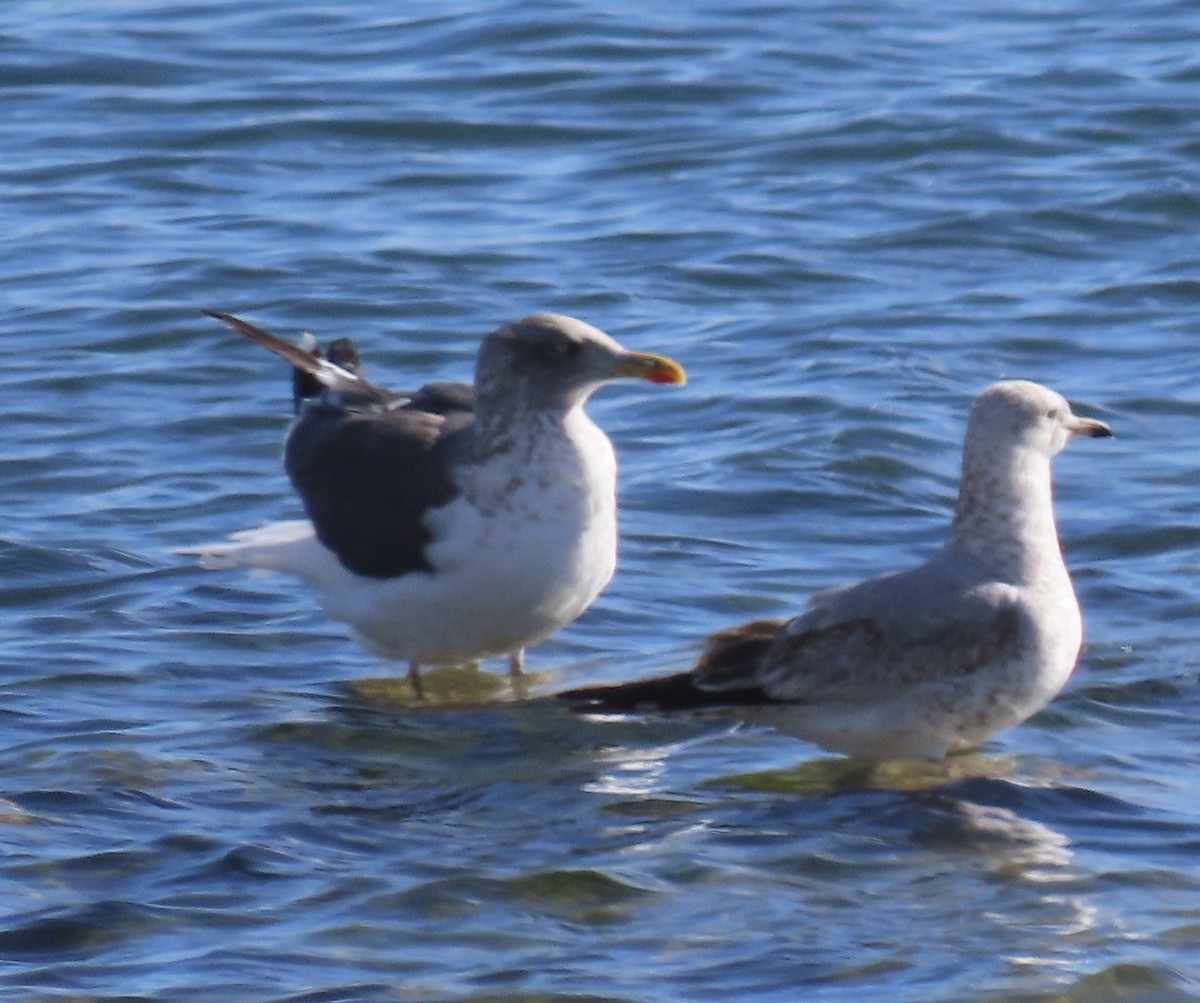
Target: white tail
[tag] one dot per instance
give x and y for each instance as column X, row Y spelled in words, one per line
column 270, row 548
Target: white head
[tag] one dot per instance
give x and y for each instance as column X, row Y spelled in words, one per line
column 1018, row 413
column 1005, row 516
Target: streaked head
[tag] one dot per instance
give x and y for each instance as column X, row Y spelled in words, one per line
column 557, row 360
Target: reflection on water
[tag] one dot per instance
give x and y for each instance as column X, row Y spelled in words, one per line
column 1017, row 847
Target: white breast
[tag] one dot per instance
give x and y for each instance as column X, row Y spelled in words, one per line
column 521, row 552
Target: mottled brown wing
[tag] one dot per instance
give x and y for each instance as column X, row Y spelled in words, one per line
column 732, row 658
column 861, row 656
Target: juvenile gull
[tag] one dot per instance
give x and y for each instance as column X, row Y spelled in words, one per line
column 453, row 522
column 926, row 661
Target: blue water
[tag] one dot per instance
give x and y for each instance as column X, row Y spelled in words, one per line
column 845, row 220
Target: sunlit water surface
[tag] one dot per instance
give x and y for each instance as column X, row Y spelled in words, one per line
column 845, row 219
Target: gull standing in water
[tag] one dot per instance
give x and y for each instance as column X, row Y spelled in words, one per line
column 453, row 522
column 926, row 661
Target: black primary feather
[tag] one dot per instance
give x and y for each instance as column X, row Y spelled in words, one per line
column 727, row 667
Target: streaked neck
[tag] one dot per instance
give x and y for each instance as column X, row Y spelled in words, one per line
column 510, row 425
column 1004, row 518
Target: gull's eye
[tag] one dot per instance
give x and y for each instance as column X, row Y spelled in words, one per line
column 565, row 348
column 1052, row 414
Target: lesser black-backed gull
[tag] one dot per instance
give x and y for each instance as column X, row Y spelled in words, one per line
column 926, row 661
column 454, row 522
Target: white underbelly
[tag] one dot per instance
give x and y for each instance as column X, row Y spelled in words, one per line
column 508, row 571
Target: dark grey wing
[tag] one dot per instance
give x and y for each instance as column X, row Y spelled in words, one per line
column 368, row 477
column 444, row 398
column 367, row 462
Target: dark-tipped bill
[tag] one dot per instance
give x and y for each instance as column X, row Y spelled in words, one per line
column 1092, row 428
